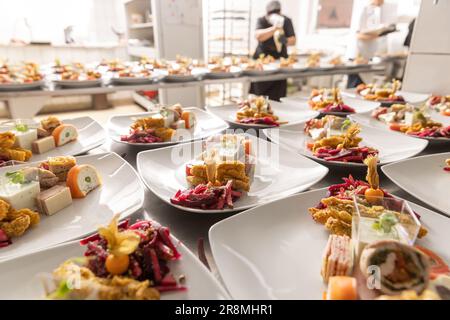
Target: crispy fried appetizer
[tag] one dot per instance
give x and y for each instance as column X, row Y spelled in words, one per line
column 51, row 123
column 93, row 287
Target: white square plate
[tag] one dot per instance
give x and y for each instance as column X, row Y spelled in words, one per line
column 424, row 177
column 410, row 97
column 275, row 251
column 21, row 277
column 121, row 192
column 207, row 125
column 360, row 106
column 285, row 112
column 277, row 175
column 90, row 136
column 368, row 120
column 391, row 145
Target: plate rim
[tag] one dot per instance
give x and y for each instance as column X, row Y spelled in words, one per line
column 389, row 167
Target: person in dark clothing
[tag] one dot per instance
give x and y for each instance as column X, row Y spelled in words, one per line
column 408, row 38
column 274, row 32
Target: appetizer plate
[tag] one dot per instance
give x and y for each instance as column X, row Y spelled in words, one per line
column 277, row 175
column 234, row 72
column 78, row 83
column 285, row 112
column 368, row 120
column 268, row 69
column 424, row 178
column 21, row 86
column 275, row 251
column 410, row 97
column 207, row 124
column 297, row 67
column 360, row 106
column 132, row 80
column 33, row 269
column 195, row 75
column 391, row 145
column 90, row 135
column 121, row 192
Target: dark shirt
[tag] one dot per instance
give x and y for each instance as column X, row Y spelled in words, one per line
column 408, row 38
column 268, row 47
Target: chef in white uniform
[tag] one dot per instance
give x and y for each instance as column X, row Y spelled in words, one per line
column 367, row 40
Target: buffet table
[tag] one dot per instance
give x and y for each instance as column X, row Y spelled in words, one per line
column 26, row 104
column 189, row 228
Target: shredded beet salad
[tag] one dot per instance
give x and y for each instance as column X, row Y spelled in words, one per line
column 207, row 197
column 4, row 240
column 141, row 136
column 356, row 155
column 340, row 107
column 351, row 187
column 265, row 120
column 148, row 262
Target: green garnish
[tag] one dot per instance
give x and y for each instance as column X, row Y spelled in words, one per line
column 385, row 222
column 61, row 292
column 21, row 127
column 67, row 134
column 163, row 112
column 16, row 177
column 347, row 123
column 87, row 179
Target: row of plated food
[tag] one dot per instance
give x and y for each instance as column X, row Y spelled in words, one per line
column 52, row 199
column 146, row 70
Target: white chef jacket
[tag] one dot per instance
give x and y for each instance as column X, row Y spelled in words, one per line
column 371, row 18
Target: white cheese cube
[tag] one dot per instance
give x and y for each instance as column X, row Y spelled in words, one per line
column 25, row 139
column 43, row 145
column 387, row 117
column 180, row 124
column 19, row 195
column 409, row 118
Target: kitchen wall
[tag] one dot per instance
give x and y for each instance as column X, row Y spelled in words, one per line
column 45, row 20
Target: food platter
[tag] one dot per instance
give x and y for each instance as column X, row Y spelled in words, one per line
column 121, row 192
column 32, row 269
column 207, row 124
column 360, row 106
column 271, row 181
column 391, row 146
column 286, row 264
column 285, row 112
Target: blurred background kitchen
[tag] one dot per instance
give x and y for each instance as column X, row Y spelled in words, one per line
column 86, row 31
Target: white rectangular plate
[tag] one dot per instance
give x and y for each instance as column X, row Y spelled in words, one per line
column 21, row 278
column 360, row 106
column 424, row 178
column 272, row 180
column 275, row 251
column 285, row 112
column 90, row 136
column 121, row 192
column 207, row 125
column 368, row 120
column 410, row 97
column 391, row 145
